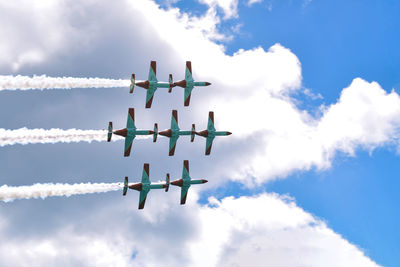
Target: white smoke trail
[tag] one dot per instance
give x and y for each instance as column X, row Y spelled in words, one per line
column 9, row 193
column 25, row 136
column 9, row 82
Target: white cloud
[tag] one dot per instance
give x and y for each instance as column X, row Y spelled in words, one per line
column 265, row 230
column 229, row 7
column 251, row 97
column 34, row 30
column 365, row 116
column 252, row 2
column 250, row 92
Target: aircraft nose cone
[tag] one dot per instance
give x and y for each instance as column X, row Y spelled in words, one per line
column 204, row 181
column 151, row 132
column 207, row 83
column 228, row 133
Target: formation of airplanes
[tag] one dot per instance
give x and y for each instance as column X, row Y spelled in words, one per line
column 130, row 132
column 146, row 185
column 152, row 84
column 173, row 133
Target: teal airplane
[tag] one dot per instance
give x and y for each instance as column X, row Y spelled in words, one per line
column 130, row 132
column 145, row 186
column 174, row 132
column 186, row 181
column 151, row 84
column 188, row 83
column 211, row 133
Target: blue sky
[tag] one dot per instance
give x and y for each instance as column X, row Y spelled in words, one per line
column 335, row 42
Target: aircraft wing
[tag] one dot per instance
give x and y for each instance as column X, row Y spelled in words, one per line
column 145, row 174
column 172, row 145
column 188, row 71
column 142, row 198
column 185, row 170
column 188, row 93
column 184, row 192
column 209, row 142
column 130, row 123
column 174, row 120
column 210, row 125
column 128, row 145
column 152, row 72
column 149, row 97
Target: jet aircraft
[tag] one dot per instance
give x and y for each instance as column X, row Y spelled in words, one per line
column 186, row 181
column 174, row 132
column 151, row 84
column 188, row 83
column 129, row 132
column 144, row 186
column 211, row 133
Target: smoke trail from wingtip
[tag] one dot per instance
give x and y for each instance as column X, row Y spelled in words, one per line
column 9, row 82
column 9, row 193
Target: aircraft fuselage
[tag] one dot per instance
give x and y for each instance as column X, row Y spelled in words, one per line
column 132, row 132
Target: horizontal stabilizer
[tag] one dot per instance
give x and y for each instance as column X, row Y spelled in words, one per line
column 110, row 129
column 171, row 83
column 193, row 133
column 167, row 182
column 125, row 186
column 155, row 132
column 132, row 87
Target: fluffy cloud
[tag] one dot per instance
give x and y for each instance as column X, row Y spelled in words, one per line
column 365, row 116
column 229, row 7
column 252, row 2
column 34, row 32
column 251, row 91
column 265, row 230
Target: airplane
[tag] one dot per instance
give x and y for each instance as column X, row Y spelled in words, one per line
column 129, row 132
column 174, row 132
column 211, row 133
column 186, row 181
column 151, row 84
column 188, row 83
column 144, row 186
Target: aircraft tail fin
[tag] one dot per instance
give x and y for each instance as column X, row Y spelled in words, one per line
column 155, row 132
column 125, row 186
column 167, row 182
column 171, row 83
column 193, row 133
column 110, row 129
column 132, row 87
